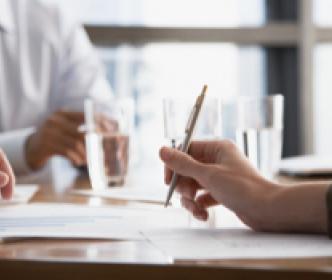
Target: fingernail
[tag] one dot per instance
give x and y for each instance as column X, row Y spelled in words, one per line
column 165, row 153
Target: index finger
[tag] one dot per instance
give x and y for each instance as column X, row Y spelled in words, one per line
column 106, row 124
column 186, row 187
column 7, row 190
column 168, row 175
column 204, row 151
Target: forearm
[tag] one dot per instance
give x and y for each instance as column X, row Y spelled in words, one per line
column 299, row 208
column 35, row 155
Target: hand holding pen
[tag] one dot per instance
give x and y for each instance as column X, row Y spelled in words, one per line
column 189, row 130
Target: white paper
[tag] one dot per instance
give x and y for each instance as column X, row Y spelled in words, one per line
column 46, row 220
column 22, row 194
column 156, row 195
column 307, row 165
column 207, row 244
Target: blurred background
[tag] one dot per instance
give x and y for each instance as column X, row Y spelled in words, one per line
column 154, row 48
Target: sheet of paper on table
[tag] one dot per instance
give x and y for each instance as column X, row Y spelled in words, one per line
column 46, row 220
column 149, row 194
column 207, row 244
column 22, row 194
column 312, row 165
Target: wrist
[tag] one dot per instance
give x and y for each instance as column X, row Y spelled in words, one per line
column 265, row 206
column 298, row 208
column 34, row 157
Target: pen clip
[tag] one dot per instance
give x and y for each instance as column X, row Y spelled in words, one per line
column 190, row 119
column 186, row 142
column 193, row 111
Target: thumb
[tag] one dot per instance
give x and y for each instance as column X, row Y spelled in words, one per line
column 181, row 163
column 4, row 179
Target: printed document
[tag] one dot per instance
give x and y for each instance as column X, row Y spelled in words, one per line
column 139, row 194
column 47, row 220
column 207, row 244
column 22, row 194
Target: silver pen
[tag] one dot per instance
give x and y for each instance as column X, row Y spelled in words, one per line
column 188, row 135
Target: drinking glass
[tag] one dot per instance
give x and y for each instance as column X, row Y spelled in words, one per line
column 176, row 114
column 108, row 128
column 208, row 127
column 256, row 124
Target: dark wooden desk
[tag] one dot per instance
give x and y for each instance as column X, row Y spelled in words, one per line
column 81, row 259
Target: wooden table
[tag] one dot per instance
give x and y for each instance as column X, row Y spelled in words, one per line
column 81, row 259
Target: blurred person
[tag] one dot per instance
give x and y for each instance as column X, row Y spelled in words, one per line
column 47, row 68
column 7, row 178
column 217, row 173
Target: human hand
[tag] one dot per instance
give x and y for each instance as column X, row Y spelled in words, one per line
column 218, row 173
column 105, row 125
column 60, row 135
column 7, row 178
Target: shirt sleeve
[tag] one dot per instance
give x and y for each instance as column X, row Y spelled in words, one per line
column 13, row 144
column 79, row 71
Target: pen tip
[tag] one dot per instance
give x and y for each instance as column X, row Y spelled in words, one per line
column 205, row 88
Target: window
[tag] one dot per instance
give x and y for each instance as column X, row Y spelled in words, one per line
column 149, row 71
column 322, row 56
column 260, row 47
column 323, row 98
column 322, row 12
column 207, row 13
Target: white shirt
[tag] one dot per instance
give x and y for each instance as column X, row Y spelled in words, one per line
column 46, row 63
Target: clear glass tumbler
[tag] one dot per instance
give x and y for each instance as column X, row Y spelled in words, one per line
column 256, row 124
column 208, row 127
column 108, row 128
column 176, row 114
